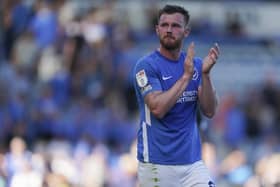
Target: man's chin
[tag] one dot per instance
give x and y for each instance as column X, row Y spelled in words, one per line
column 170, row 47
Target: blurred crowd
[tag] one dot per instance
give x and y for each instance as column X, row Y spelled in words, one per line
column 68, row 114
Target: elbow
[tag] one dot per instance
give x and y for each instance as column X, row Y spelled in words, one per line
column 209, row 111
column 209, row 115
column 158, row 113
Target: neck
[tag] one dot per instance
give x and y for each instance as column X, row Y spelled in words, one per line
column 170, row 54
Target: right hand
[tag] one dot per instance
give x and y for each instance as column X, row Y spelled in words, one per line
column 189, row 65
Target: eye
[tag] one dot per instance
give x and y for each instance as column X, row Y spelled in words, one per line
column 163, row 25
column 176, row 25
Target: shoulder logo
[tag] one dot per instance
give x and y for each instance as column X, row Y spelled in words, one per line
column 141, row 78
column 166, row 78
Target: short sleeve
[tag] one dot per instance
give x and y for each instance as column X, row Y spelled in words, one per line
column 145, row 78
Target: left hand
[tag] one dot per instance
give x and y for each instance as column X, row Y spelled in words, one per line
column 210, row 59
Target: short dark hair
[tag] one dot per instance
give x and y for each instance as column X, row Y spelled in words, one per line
column 171, row 9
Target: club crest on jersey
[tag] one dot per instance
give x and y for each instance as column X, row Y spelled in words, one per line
column 141, row 78
column 195, row 74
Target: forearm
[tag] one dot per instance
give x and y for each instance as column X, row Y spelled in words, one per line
column 207, row 97
column 161, row 102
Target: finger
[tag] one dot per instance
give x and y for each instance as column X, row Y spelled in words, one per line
column 217, row 48
column 213, row 52
column 190, row 51
column 213, row 58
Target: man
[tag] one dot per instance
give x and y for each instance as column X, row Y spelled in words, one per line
column 169, row 84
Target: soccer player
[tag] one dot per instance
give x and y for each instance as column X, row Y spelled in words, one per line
column 169, row 85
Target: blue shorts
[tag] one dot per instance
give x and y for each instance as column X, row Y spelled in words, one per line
column 155, row 175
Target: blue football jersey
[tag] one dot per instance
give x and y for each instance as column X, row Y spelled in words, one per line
column 173, row 139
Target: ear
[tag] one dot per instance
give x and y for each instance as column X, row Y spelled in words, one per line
column 157, row 31
column 187, row 31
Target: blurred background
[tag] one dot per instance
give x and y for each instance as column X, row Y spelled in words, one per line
column 68, row 114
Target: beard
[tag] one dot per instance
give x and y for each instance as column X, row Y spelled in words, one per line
column 170, row 43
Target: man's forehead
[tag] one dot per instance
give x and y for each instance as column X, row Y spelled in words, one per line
column 176, row 17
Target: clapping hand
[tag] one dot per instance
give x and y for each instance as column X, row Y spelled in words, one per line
column 189, row 65
column 210, row 60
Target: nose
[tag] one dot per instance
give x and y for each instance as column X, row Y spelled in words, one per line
column 169, row 29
